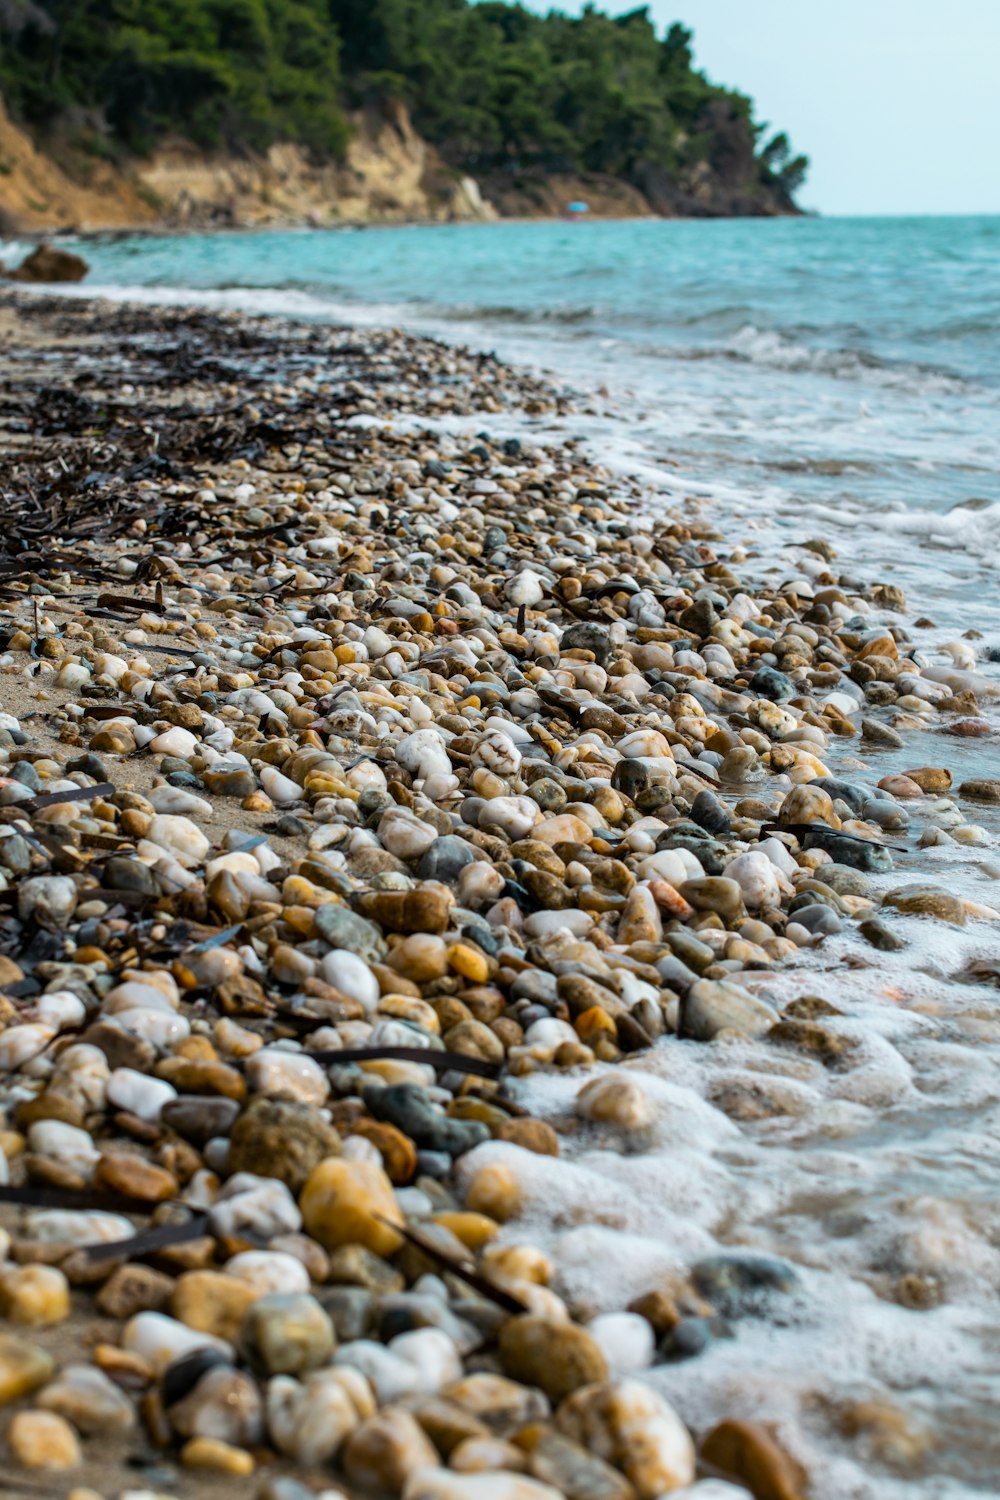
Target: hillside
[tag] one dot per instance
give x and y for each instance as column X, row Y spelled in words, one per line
column 126, row 111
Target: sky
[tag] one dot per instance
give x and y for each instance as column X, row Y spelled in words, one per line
column 896, row 102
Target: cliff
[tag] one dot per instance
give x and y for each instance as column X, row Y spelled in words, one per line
column 388, row 173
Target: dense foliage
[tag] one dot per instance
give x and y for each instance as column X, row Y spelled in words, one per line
column 493, row 85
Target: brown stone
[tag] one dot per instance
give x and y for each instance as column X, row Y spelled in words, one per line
column 746, row 1452
column 279, row 1138
column 133, row 1289
column 202, row 1076
column 556, row 1357
column 125, row 1172
column 533, row 1135
column 399, row 1154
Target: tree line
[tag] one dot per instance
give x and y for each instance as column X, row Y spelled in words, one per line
column 492, row 85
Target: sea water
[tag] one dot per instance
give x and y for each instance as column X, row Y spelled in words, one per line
column 789, row 380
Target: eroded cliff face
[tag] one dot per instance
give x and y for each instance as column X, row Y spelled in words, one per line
column 390, row 173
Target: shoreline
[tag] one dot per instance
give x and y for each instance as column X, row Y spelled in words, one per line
column 621, row 902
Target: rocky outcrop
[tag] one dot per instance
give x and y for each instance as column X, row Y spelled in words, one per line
column 47, row 263
column 389, row 173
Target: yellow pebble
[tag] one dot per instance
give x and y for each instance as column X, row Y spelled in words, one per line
column 212, row 1453
column 474, row 1229
column 469, row 962
column 495, row 1191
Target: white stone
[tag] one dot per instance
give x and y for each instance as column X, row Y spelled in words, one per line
column 178, row 837
column 404, row 834
column 757, row 879
column 526, row 588
column 135, row 995
column 626, row 1341
column 432, row 1354
column 711, row 1489
column 50, row 899
column 350, row 974
column 64, row 1226
column 281, row 789
column 261, row 1206
column 175, row 741
column 543, row 923
column 269, row 1271
column 154, row 1026
column 390, row 1375
column 70, row 1144
column 497, row 752
column 516, row 816
column 177, row 799
column 139, row 1094
column 779, row 855
column 60, row 1008
column 309, row 1422
column 423, row 753
column 282, row 1074
column 159, row 1339
column 19, row 1044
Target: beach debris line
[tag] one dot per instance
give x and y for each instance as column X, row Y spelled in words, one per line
column 360, row 765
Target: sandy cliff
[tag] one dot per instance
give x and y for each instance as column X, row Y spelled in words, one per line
column 389, row 173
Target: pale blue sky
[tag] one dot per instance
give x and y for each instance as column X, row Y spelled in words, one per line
column 897, row 102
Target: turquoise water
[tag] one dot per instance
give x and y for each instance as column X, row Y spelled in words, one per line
column 843, row 370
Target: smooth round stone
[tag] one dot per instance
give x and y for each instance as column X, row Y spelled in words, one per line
column 178, row 837
column 139, row 1094
column 49, row 900
column 85, row 1396
column 514, row 816
column 269, row 1271
column 386, row 1450
column 19, row 1044
column 310, row 1421
column 818, row 920
column 757, row 879
column 23, row 1368
column 198, row 1118
column 432, row 1353
column 423, row 753
column 351, row 1202
column 287, row 1334
column 68, row 1143
column 280, row 1074
column 543, row 923
column 615, row 1099
column 711, row 1006
column 160, row 1340
column 625, row 1339
column 34, row 1295
column 43, row 1440
column 445, row 859
column 63, row 1226
column 631, row 1427
column 175, row 741
column 389, row 1374
column 404, row 834
column 222, row 1404
column 274, row 1138
column 260, row 1206
column 350, row 974
column 558, row 1358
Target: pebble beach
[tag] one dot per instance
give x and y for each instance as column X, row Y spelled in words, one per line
column 464, row 920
